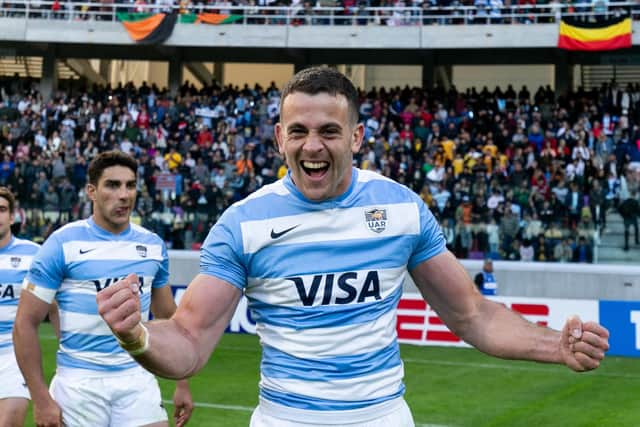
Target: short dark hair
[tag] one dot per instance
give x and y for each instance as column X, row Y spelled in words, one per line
column 106, row 160
column 6, row 194
column 315, row 80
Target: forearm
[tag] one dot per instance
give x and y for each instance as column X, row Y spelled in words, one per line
column 173, row 351
column 500, row 332
column 182, row 384
column 178, row 347
column 29, row 357
column 487, row 325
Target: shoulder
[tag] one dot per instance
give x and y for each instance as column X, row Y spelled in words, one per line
column 375, row 184
column 258, row 202
column 141, row 233
column 259, row 196
column 73, row 231
column 24, row 246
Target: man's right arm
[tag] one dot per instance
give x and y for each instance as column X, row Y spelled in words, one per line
column 31, row 312
column 180, row 346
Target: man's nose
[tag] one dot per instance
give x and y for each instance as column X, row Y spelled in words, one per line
column 313, row 142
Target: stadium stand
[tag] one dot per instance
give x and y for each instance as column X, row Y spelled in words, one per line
column 509, row 174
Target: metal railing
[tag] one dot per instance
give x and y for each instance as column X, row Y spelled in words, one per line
column 318, row 15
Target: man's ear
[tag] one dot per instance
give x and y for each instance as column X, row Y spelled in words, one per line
column 278, row 131
column 357, row 136
column 91, row 191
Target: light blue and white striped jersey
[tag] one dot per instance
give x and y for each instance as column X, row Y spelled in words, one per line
column 15, row 259
column 75, row 263
column 323, row 281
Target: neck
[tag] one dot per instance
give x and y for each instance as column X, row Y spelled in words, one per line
column 108, row 226
column 4, row 240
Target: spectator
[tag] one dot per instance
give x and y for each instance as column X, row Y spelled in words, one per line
column 526, row 251
column 630, row 210
column 485, row 280
column 583, row 251
column 562, row 252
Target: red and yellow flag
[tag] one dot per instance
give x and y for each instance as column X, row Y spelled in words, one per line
column 610, row 34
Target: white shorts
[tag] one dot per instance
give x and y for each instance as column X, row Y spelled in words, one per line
column 399, row 416
column 129, row 400
column 12, row 384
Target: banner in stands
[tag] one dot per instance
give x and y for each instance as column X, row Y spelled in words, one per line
column 156, row 28
column 606, row 34
column 150, row 29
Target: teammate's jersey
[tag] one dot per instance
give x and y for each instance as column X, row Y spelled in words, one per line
column 489, row 284
column 15, row 259
column 75, row 263
column 323, row 282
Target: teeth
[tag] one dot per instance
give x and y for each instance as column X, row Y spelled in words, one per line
column 314, row 165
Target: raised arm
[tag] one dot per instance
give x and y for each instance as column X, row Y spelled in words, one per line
column 498, row 331
column 163, row 306
column 180, row 346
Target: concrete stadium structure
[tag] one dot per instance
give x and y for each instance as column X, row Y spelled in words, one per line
column 435, row 48
column 521, row 279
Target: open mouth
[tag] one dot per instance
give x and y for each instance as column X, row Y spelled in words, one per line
column 315, row 169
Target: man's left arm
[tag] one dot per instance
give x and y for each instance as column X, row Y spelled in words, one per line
column 498, row 331
column 163, row 306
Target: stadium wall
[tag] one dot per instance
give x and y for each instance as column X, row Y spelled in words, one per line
column 518, row 279
column 544, row 293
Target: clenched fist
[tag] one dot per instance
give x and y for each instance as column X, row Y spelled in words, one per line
column 583, row 345
column 119, row 306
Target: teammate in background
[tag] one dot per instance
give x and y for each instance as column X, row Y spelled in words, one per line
column 485, row 281
column 321, row 256
column 96, row 383
column 15, row 259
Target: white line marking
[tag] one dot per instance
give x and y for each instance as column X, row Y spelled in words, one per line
column 506, row 367
column 215, row 406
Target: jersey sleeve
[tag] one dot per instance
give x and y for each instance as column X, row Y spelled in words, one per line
column 162, row 276
column 431, row 241
column 47, row 270
column 221, row 255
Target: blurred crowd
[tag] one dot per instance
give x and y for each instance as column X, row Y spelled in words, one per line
column 334, row 12
column 509, row 174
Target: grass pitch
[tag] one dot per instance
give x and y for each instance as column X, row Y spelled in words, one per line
column 445, row 387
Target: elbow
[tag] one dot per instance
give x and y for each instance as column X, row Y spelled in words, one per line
column 461, row 328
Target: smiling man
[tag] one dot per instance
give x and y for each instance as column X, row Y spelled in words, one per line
column 96, row 383
column 322, row 256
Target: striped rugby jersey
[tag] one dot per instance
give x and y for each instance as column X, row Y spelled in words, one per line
column 76, row 262
column 15, row 259
column 323, row 281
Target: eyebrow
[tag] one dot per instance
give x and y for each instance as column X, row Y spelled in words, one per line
column 118, row 181
column 323, row 127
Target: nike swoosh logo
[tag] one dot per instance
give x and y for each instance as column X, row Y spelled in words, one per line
column 275, row 235
column 82, row 252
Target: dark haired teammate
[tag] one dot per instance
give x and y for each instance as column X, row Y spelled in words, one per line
column 321, row 256
column 15, row 258
column 97, row 383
